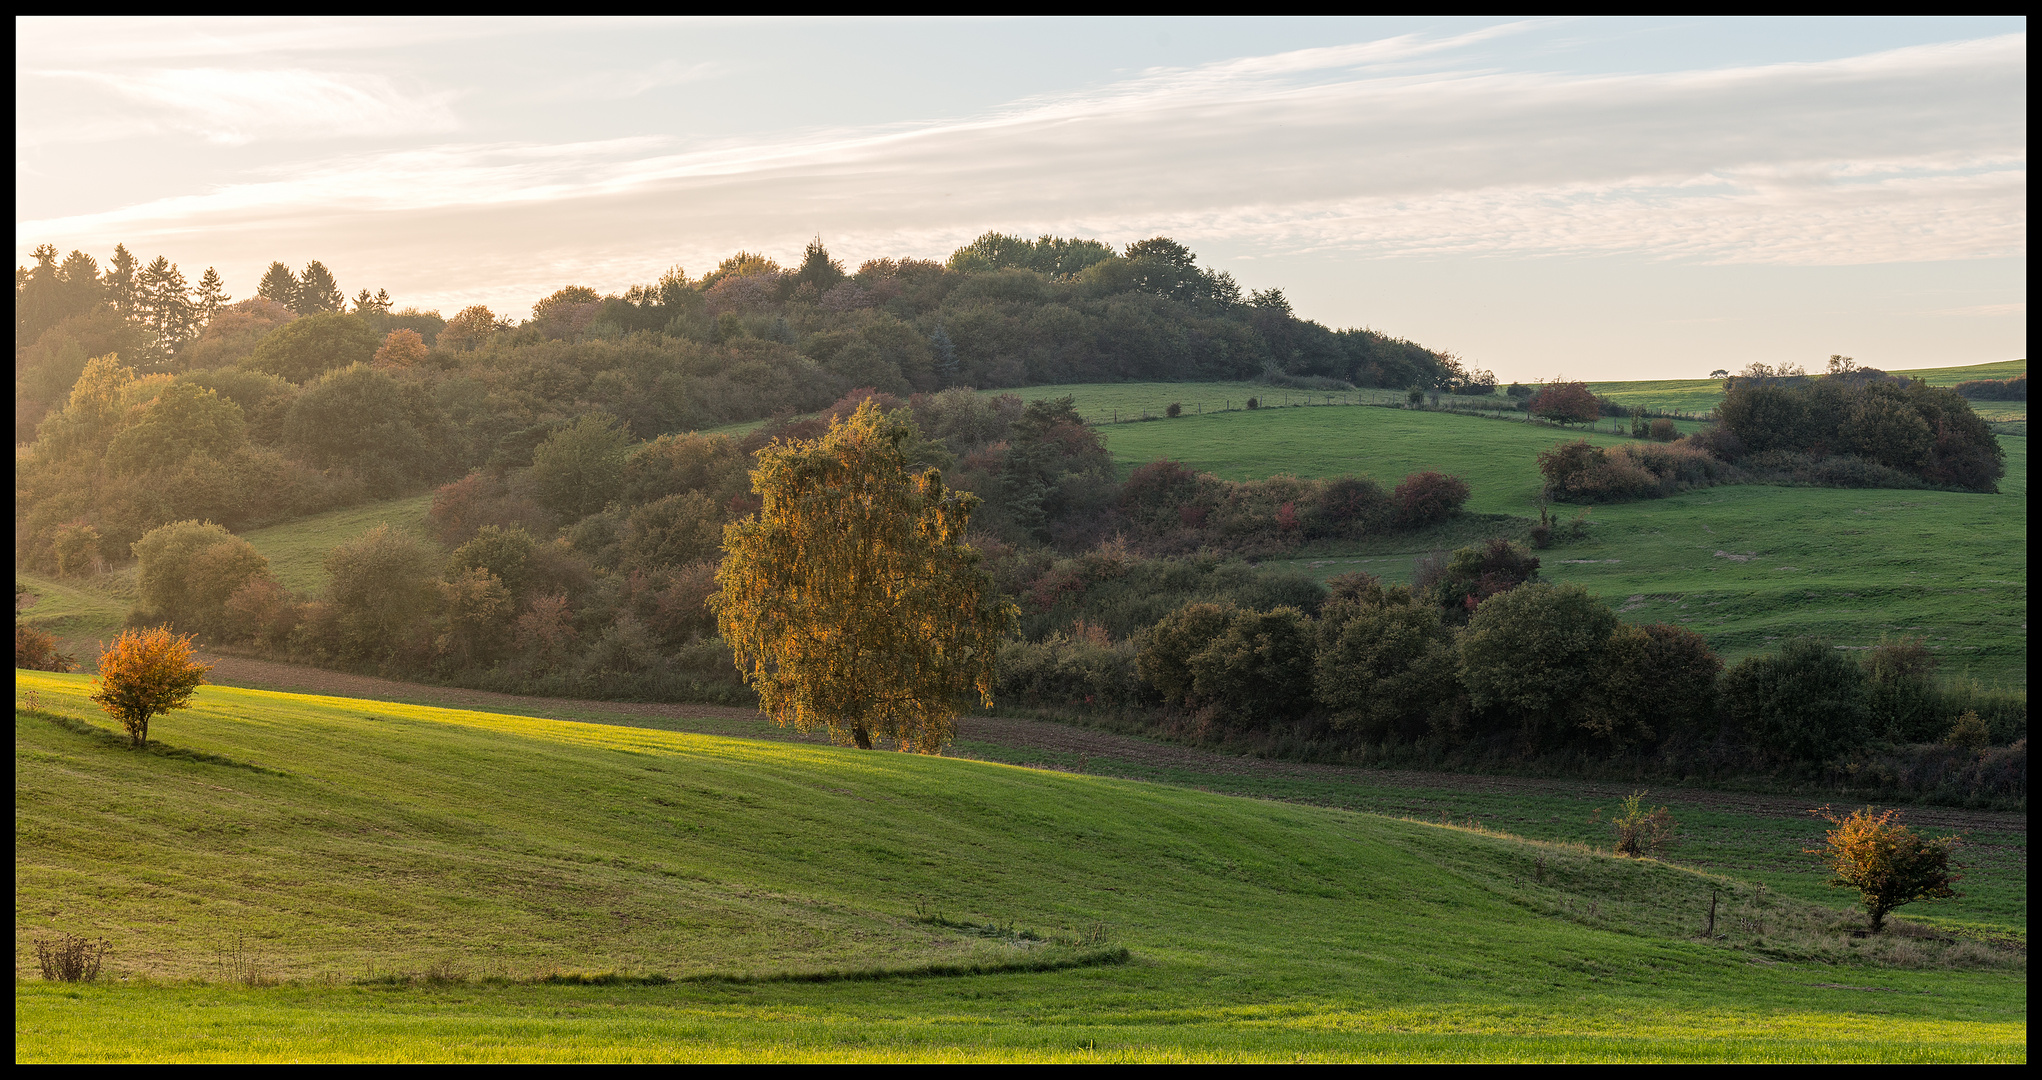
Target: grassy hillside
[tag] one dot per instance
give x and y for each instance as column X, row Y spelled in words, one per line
column 325, row 840
column 1701, row 395
column 1744, row 565
column 297, row 550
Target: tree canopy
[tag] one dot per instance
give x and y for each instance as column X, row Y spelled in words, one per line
column 850, row 599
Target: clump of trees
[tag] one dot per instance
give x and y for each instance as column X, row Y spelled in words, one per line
column 295, row 400
column 1931, row 434
column 2014, row 389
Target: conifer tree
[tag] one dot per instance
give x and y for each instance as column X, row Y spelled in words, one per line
column 120, row 281
column 317, row 291
column 280, row 285
column 212, row 295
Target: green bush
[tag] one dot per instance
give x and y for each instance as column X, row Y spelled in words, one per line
column 1387, row 667
column 1807, row 702
column 186, row 571
column 1532, row 656
column 304, row 349
column 581, row 467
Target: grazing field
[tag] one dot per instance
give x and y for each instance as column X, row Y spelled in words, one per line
column 297, row 550
column 1744, row 565
column 1701, row 395
column 329, row 842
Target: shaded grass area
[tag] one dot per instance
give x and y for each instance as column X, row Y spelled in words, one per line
column 69, row 610
column 297, row 550
column 407, row 837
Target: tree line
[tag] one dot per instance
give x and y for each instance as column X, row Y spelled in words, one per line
column 299, row 401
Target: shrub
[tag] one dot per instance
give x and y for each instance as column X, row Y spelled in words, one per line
column 1386, row 666
column 401, row 348
column 1582, row 472
column 260, row 611
column 1471, row 575
column 504, row 553
column 1656, row 680
column 1807, row 701
column 1664, row 431
column 1065, row 671
column 1885, row 861
column 1566, row 403
column 580, row 468
column 76, row 547
column 1969, row 732
column 1350, row 507
column 1414, row 396
column 1533, row 654
column 145, row 673
column 70, row 958
column 1175, row 410
column 1518, row 390
column 2014, row 389
column 1428, row 497
column 1900, row 676
column 35, row 650
column 1259, row 668
column 1164, row 661
column 1254, row 403
column 309, row 347
column 185, row 572
column 380, row 592
column 386, row 430
column 1641, row 832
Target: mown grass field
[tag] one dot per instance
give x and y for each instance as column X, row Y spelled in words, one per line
column 1745, row 565
column 297, row 550
column 322, row 841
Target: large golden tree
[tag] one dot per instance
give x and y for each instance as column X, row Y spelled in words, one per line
column 851, row 599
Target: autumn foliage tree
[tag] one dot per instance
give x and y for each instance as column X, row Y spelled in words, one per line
column 1888, row 863
column 850, row 599
column 146, row 672
column 1566, row 403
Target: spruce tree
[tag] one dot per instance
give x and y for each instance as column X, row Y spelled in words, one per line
column 280, row 285
column 317, row 291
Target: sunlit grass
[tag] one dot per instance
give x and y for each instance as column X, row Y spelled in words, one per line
column 327, row 840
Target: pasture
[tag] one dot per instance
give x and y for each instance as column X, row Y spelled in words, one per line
column 295, row 877
column 1744, row 565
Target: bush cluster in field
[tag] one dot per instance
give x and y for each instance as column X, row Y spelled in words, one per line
column 1478, row 658
column 1854, row 427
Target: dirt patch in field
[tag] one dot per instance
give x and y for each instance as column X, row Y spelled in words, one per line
column 1080, row 747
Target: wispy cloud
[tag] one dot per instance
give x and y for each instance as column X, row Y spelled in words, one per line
column 1379, row 149
column 234, row 106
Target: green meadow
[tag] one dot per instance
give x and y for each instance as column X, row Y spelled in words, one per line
column 1745, row 565
column 286, row 877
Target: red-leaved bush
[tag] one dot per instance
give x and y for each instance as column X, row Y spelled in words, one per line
column 1427, row 497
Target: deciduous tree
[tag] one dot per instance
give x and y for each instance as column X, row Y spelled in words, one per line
column 851, row 600
column 1888, row 863
column 144, row 673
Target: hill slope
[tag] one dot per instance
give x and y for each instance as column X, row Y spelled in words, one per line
column 332, row 838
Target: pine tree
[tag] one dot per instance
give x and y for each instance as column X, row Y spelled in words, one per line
column 317, row 291
column 120, row 281
column 212, row 295
column 163, row 306
column 280, row 285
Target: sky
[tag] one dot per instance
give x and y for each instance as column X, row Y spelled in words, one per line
column 1600, row 199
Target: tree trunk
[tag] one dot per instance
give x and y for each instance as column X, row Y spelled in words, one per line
column 860, row 736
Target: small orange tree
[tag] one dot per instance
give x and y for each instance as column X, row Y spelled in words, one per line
column 145, row 672
column 1885, row 861
column 851, row 599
